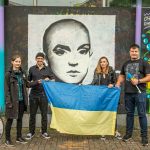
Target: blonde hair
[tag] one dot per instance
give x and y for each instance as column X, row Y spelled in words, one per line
column 99, row 69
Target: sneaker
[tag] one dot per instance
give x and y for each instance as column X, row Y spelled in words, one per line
column 21, row 140
column 144, row 141
column 103, row 138
column 9, row 143
column 126, row 137
column 45, row 135
column 29, row 136
column 118, row 135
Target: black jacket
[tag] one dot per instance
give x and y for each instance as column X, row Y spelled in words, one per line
column 11, row 93
column 109, row 79
column 34, row 75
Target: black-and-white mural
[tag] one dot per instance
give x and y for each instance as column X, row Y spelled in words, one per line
column 73, row 44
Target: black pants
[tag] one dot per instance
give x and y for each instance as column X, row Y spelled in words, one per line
column 42, row 103
column 19, row 122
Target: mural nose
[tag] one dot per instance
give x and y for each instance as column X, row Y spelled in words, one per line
column 72, row 64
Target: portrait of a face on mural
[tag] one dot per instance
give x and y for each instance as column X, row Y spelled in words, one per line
column 66, row 43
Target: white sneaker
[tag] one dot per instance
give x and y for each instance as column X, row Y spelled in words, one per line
column 118, row 135
column 103, row 138
column 45, row 135
column 29, row 136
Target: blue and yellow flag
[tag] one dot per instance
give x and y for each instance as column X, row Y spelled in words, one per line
column 82, row 109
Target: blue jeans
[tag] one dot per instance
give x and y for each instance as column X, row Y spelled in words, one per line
column 139, row 100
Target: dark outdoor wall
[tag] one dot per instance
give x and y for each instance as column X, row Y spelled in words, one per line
column 16, row 30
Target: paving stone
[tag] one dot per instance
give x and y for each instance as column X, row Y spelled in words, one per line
column 60, row 141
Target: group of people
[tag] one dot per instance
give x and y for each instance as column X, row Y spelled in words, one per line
column 135, row 73
column 16, row 84
column 67, row 46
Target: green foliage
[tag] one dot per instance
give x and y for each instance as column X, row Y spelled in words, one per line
column 146, row 3
column 128, row 3
column 122, row 3
column 1, row 2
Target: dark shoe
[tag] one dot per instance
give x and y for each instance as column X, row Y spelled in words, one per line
column 21, row 140
column 9, row 143
column 144, row 141
column 29, row 136
column 45, row 135
column 126, row 137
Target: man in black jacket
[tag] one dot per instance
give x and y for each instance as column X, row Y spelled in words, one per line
column 37, row 97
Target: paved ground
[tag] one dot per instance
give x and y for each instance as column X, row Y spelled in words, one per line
column 71, row 142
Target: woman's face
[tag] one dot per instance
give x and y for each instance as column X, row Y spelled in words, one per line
column 103, row 63
column 16, row 63
column 69, row 53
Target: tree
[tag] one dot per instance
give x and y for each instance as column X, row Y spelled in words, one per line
column 128, row 3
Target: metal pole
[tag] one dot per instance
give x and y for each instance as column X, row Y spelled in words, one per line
column 104, row 3
column 35, row 2
column 138, row 22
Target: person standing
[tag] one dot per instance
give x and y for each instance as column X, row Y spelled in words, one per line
column 105, row 75
column 135, row 73
column 16, row 98
column 37, row 97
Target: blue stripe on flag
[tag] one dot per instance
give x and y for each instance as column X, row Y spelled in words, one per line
column 82, row 97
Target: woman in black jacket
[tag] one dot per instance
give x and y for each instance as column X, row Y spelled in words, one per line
column 105, row 75
column 16, row 98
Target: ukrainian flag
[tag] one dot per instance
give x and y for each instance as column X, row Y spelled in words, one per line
column 82, row 109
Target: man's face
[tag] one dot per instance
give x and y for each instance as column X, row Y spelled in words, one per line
column 39, row 60
column 69, row 53
column 134, row 53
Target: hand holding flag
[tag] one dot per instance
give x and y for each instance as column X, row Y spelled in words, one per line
column 131, row 78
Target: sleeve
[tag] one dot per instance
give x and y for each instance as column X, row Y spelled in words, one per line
column 27, row 83
column 49, row 74
column 122, row 70
column 7, row 90
column 113, row 77
column 30, row 82
column 95, row 79
column 30, row 75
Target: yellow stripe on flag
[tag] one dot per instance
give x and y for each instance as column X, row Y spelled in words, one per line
column 83, row 122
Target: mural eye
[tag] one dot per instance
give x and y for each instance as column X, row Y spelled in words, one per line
column 83, row 51
column 59, row 51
